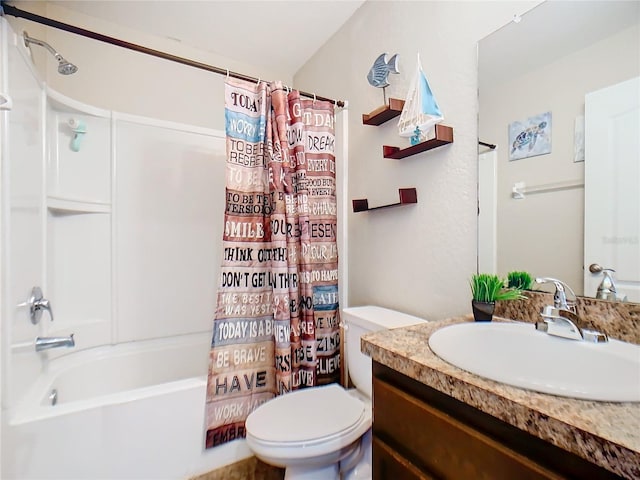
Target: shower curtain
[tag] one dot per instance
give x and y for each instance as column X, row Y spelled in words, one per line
column 276, row 326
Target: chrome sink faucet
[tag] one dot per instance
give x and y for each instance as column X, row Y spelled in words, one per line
column 560, row 296
column 561, row 318
column 45, row 343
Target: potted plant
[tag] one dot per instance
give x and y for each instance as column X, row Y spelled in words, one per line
column 519, row 280
column 486, row 289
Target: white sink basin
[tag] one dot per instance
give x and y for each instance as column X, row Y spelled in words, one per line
column 517, row 354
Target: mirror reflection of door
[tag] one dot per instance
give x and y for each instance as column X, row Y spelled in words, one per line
column 612, row 187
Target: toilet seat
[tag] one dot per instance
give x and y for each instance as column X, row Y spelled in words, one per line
column 308, row 417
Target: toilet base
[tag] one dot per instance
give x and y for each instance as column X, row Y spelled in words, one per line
column 323, row 467
column 354, row 465
column 328, row 472
column 363, row 467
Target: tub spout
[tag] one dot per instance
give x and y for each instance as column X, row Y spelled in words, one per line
column 45, row 343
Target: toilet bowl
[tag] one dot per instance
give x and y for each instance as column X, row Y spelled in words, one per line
column 324, row 432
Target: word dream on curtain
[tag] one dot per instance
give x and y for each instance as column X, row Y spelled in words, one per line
column 276, row 326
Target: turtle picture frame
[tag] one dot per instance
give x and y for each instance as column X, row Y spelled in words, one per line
column 530, row 137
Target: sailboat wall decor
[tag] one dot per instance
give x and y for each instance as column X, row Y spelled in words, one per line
column 421, row 111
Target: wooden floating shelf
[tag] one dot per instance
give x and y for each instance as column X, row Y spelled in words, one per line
column 444, row 136
column 384, row 113
column 407, row 196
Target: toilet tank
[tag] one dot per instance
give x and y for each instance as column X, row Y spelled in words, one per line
column 362, row 320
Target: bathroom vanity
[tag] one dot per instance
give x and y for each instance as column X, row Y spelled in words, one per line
column 434, row 420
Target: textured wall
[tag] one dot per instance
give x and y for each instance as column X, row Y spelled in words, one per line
column 415, row 258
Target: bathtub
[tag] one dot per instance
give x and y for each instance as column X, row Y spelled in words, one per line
column 130, row 411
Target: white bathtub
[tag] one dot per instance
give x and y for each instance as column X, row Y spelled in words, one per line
column 131, row 411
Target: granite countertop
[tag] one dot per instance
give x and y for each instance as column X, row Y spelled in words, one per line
column 605, row 433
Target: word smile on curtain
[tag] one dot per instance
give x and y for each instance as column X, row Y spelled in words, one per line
column 276, row 326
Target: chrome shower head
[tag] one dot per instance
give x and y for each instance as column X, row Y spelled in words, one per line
column 64, row 67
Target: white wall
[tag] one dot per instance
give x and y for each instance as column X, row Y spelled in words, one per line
column 418, row 258
column 549, row 226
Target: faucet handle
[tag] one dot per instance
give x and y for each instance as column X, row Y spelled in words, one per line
column 560, row 297
column 37, row 303
column 607, row 288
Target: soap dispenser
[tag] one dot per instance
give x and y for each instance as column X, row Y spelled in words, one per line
column 607, row 289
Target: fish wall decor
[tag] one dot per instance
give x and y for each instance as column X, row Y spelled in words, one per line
column 381, row 69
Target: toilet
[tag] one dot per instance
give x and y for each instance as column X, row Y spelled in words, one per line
column 335, row 442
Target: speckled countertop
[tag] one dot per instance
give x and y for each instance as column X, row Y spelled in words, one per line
column 605, row 433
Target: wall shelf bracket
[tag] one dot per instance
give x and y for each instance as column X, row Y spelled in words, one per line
column 443, row 136
column 383, row 113
column 407, row 196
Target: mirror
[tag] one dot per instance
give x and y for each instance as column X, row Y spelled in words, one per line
column 533, row 76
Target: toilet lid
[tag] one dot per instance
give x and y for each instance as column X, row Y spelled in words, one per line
column 305, row 415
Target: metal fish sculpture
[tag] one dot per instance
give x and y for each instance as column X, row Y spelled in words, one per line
column 381, row 69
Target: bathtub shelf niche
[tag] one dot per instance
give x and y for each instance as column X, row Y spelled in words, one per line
column 384, row 113
column 443, row 136
column 67, row 206
column 407, row 196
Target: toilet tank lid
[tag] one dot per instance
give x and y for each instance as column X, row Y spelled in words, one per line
column 372, row 317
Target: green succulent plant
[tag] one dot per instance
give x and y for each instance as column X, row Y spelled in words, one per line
column 519, row 280
column 486, row 287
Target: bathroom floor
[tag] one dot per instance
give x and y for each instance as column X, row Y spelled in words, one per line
column 248, row 469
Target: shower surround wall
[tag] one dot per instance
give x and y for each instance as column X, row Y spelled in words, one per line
column 121, row 237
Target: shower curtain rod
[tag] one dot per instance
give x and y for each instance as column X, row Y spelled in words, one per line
column 16, row 12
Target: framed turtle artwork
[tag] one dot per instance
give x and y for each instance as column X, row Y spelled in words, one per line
column 530, row 137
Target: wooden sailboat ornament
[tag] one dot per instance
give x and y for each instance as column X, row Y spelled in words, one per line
column 421, row 111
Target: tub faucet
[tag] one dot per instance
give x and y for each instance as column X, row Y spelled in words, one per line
column 45, row 343
column 561, row 319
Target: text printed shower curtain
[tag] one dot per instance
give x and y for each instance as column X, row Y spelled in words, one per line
column 276, row 326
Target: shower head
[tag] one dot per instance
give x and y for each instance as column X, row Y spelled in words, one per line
column 64, row 67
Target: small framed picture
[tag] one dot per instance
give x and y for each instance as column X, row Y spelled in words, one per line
column 530, row 137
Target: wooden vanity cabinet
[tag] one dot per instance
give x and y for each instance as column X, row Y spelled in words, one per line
column 420, row 433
